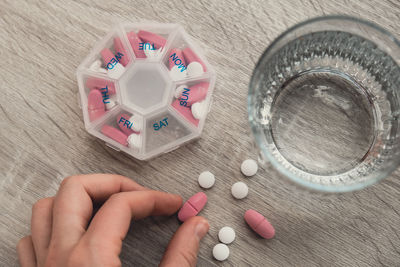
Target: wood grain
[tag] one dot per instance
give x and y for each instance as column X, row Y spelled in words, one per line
column 43, row 138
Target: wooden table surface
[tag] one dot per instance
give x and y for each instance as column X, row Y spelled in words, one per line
column 43, row 138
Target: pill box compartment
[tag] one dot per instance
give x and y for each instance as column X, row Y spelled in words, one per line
column 164, row 130
column 148, row 41
column 146, row 90
column 109, row 53
column 193, row 95
column 181, row 52
column 145, row 87
column 105, row 88
column 115, row 129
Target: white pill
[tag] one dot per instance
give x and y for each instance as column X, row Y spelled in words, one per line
column 179, row 90
column 199, row 110
column 150, row 53
column 206, row 179
column 102, row 70
column 96, row 66
column 249, row 167
column 177, row 73
column 240, row 190
column 116, row 71
column 221, row 252
column 160, row 51
column 137, row 123
column 226, row 235
column 153, row 54
column 110, row 104
column 194, row 69
column 134, row 140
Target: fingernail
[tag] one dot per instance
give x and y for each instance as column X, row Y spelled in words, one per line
column 202, row 228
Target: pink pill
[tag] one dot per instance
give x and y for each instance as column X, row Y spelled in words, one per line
column 124, row 124
column 196, row 93
column 134, row 40
column 107, row 55
column 96, row 83
column 119, row 48
column 96, row 107
column 193, row 206
column 113, row 66
column 115, row 134
column 259, row 224
column 152, row 38
column 176, row 58
column 185, row 111
column 190, row 57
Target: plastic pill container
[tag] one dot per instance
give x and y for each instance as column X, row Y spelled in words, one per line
column 145, row 89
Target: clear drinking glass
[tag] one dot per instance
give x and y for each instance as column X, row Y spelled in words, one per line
column 324, row 103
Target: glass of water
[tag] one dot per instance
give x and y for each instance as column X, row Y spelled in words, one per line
column 324, row 103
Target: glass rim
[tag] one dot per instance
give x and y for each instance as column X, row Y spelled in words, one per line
column 254, row 127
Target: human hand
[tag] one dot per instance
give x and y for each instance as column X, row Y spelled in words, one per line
column 63, row 234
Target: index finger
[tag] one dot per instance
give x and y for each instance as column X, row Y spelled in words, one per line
column 73, row 205
column 111, row 223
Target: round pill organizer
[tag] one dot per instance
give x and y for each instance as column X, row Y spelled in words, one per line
column 145, row 89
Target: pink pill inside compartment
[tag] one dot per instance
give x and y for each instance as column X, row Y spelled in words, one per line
column 176, row 58
column 107, row 55
column 185, row 111
column 152, row 38
column 119, row 48
column 99, row 84
column 190, row 57
column 135, row 41
column 115, row 134
column 196, row 93
column 124, row 124
column 96, row 107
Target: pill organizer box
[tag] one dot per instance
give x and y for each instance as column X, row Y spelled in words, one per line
column 145, row 89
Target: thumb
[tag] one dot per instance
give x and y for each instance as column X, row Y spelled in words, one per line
column 183, row 248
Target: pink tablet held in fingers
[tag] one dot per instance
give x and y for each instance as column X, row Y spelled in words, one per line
column 96, row 107
column 96, row 83
column 115, row 134
column 259, row 224
column 193, row 206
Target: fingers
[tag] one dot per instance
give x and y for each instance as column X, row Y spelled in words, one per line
column 41, row 223
column 111, row 223
column 26, row 254
column 73, row 206
column 183, row 248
